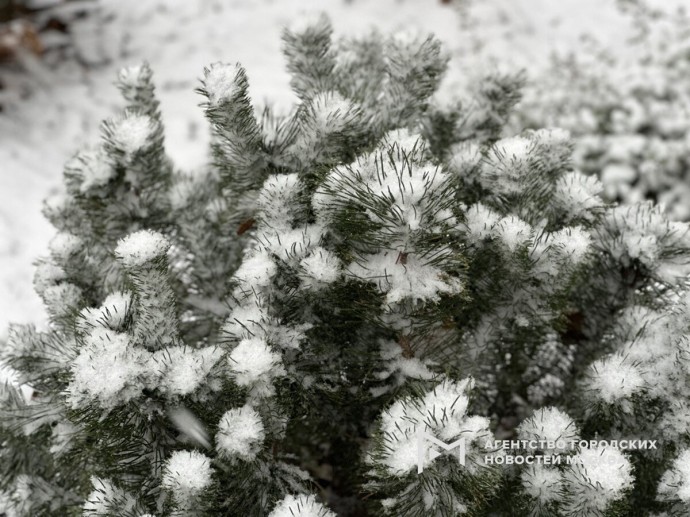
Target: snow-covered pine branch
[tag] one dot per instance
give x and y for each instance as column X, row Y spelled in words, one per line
column 267, row 336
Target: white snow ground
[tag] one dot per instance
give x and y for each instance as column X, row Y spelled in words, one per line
column 179, row 37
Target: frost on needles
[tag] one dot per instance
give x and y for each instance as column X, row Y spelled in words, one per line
column 268, row 336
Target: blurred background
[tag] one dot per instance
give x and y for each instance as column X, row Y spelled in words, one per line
column 59, row 58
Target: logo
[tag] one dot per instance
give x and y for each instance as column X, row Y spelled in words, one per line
column 423, row 441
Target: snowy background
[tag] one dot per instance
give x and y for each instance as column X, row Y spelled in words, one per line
column 51, row 109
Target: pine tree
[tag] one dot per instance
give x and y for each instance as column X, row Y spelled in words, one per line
column 272, row 335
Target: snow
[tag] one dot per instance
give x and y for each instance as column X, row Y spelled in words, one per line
column 549, row 386
column 507, row 165
column 320, row 267
column 240, row 433
column 511, row 149
column 645, row 233
column 278, row 199
column 95, row 169
column 107, row 499
column 300, row 506
column 614, row 378
column 479, row 222
column 308, row 22
column 63, row 245
column 598, row 475
column 219, row 82
column 7, row 505
column 130, row 75
column 675, row 483
column 412, row 280
column 8, row 381
column 141, row 247
column 47, row 274
column 21, row 340
column 62, row 299
column 617, row 176
column 254, row 364
column 111, row 314
column 542, row 483
column 398, row 368
column 288, row 244
column 552, row 136
column 327, row 114
column 110, row 369
column 183, row 191
column 465, row 157
column 186, row 474
column 131, row 134
column 246, row 320
column 513, row 232
column 107, row 370
column 441, row 411
column 61, row 438
column 405, row 181
column 189, row 425
column 549, row 424
column 578, row 195
column 256, row 271
column 183, row 369
column 573, row 243
column 330, row 112
column 405, row 139
column 115, row 308
column 24, row 488
column 65, row 105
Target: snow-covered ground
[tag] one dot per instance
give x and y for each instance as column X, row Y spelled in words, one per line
column 179, row 37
